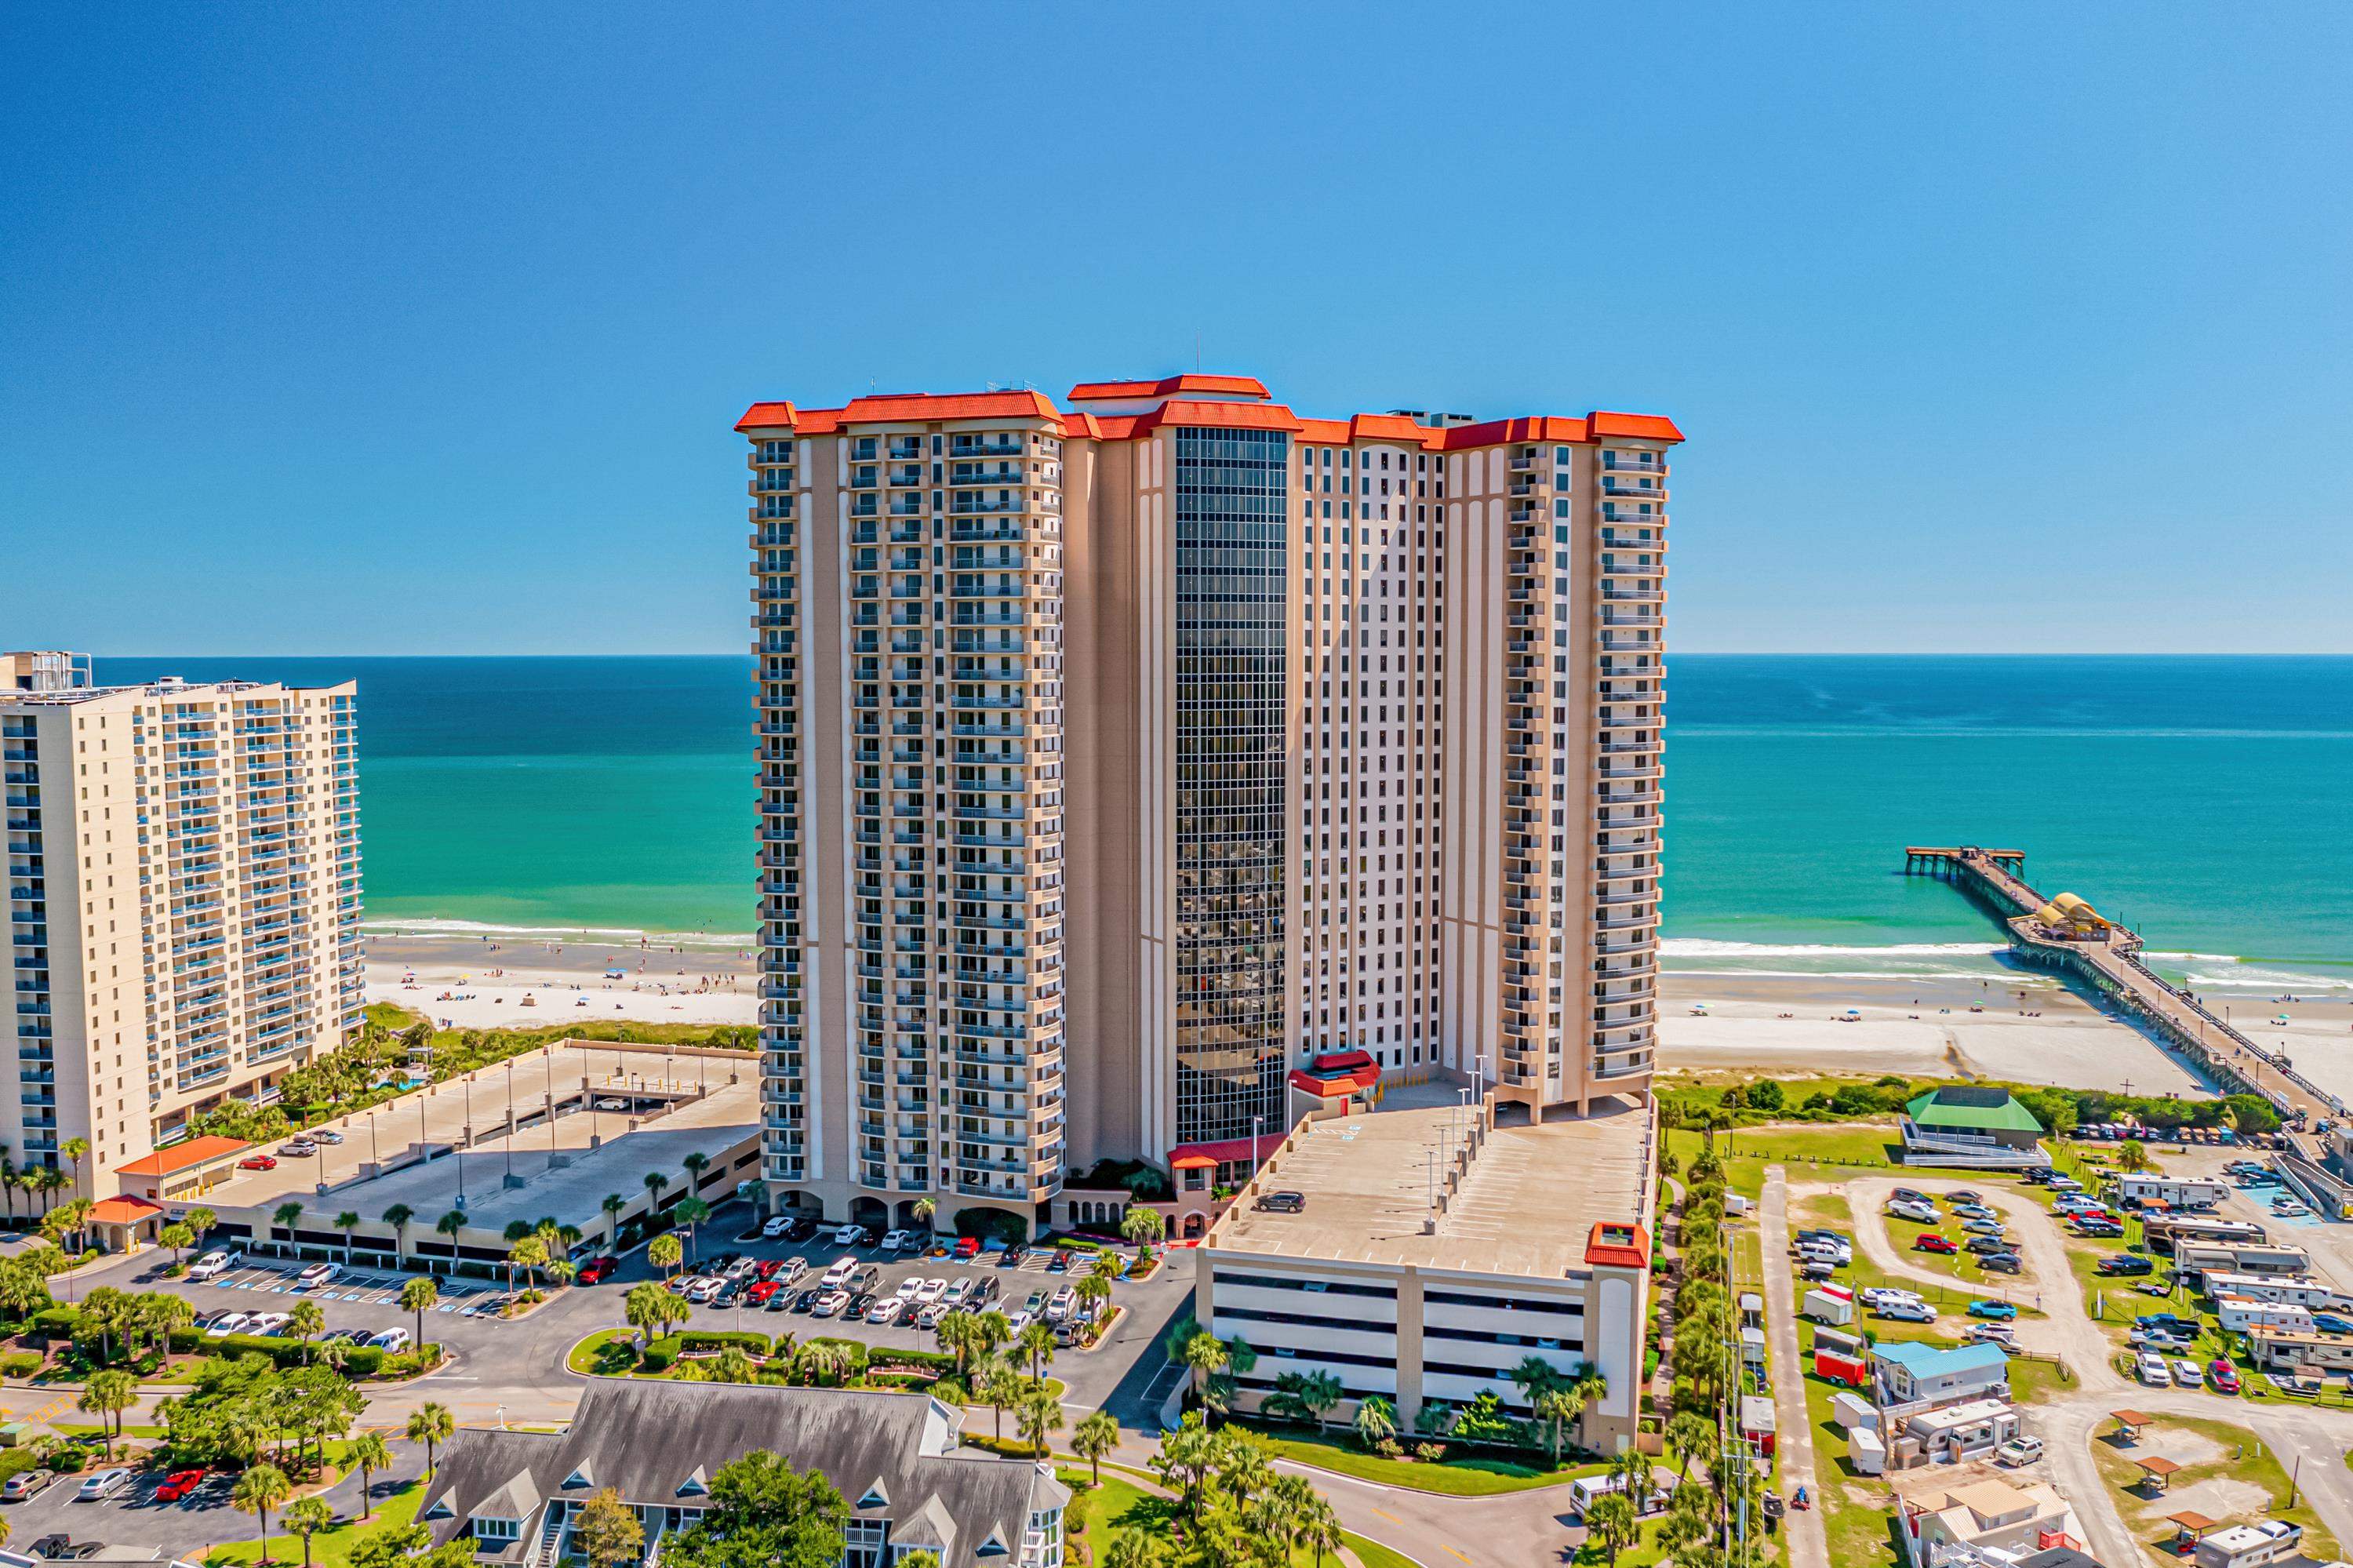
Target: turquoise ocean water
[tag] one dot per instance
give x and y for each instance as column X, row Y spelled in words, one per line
column 2206, row 801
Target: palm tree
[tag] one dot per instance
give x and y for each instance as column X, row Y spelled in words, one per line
column 347, row 1222
column 688, row 1213
column 655, row 1183
column 922, row 1209
column 665, row 1251
column 1376, row 1421
column 1142, row 1226
column 1037, row 1342
column 1690, row 1435
column 52, row 1182
column 1093, row 1438
column 179, row 1239
column 397, row 1217
column 527, row 1255
column 368, row 1454
column 1002, row 1387
column 419, row 1296
column 1557, row 1409
column 284, row 1215
column 75, row 1148
column 1613, row 1519
column 261, row 1487
column 1134, row 1548
column 613, row 1206
column 1039, row 1416
column 449, row 1224
column 107, row 1394
column 1319, row 1528
column 428, row 1423
column 308, row 1319
column 695, row 1164
column 306, row 1516
column 650, row 1308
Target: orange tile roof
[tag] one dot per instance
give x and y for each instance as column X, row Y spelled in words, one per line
column 1177, row 410
column 123, row 1211
column 1613, row 1244
column 181, row 1156
column 1192, row 381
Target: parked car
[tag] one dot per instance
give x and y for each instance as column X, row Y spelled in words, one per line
column 1061, row 1306
column 317, row 1275
column 1981, row 1247
column 886, row 1310
column 830, row 1303
column 2332, row 1323
column 699, row 1288
column 809, row 1300
column 2125, row 1263
column 324, row 1135
column 1964, row 1195
column 1909, row 1196
column 2187, row 1375
column 2106, row 1230
column 2000, row 1334
column 1281, row 1202
column 967, row 1249
column 2152, row 1370
column 929, row 1317
column 958, row 1289
column 1932, row 1241
column 269, row 1323
column 597, row 1269
column 213, row 1263
column 2156, row 1288
column 298, row 1148
column 1905, row 1311
column 2002, row 1311
column 776, row 1226
column 728, row 1290
column 1918, row 1213
column 230, row 1323
column 1872, row 1295
column 849, row 1236
column 2221, row 1376
column 2019, row 1451
column 1987, row 1227
column 258, row 1163
column 26, row 1485
column 862, row 1302
column 2001, row 1262
column 176, row 1486
column 101, row 1485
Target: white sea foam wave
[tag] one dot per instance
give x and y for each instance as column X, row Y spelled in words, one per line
column 597, row 935
column 1708, row 948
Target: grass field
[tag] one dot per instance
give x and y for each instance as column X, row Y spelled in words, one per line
column 1810, row 1154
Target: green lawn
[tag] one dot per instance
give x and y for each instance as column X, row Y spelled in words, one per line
column 1828, row 1154
column 329, row 1548
column 1466, row 1477
column 2033, row 1380
column 1373, row 1554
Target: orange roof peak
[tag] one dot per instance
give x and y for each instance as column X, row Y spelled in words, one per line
column 1192, row 381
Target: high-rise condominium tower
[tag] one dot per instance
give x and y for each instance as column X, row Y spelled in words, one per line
column 1118, row 757
column 184, row 903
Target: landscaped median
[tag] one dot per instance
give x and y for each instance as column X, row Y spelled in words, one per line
column 1461, row 1473
column 701, row 1355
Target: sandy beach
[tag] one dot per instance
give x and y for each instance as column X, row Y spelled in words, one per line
column 2030, row 1030
column 477, row 983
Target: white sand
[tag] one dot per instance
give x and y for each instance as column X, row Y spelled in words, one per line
column 470, row 985
column 2070, row 1043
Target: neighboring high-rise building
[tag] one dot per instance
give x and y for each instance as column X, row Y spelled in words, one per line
column 1118, row 758
column 43, row 672
column 184, row 903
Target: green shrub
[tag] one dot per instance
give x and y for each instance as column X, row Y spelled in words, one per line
column 67, row 1459
column 21, row 1363
column 713, row 1338
column 55, row 1322
column 659, row 1354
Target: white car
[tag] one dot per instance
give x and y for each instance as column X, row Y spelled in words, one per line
column 2151, row 1370
column 2289, row 1209
column 1873, row 1295
column 2019, row 1451
column 888, row 1310
column 269, row 1323
column 838, row 1273
column 930, row 1291
column 317, row 1275
column 391, row 1341
column 2186, row 1374
column 701, row 1289
column 958, row 1289
column 1016, row 1321
column 325, row 1135
column 849, row 1236
column 907, row 1289
column 1915, row 1311
column 103, row 1484
column 777, row 1225
column 214, row 1263
column 831, row 1302
column 230, row 1323
column 897, row 1241
column 929, row 1317
column 2000, row 1334
column 1064, row 1301
column 1919, row 1214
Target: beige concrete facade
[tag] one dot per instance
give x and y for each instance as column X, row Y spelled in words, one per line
column 1334, row 735
column 184, row 902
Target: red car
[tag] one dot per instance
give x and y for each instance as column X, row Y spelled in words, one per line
column 767, row 1267
column 2222, row 1376
column 258, row 1163
column 1929, row 1241
column 758, row 1295
column 178, row 1485
column 596, row 1268
column 967, row 1247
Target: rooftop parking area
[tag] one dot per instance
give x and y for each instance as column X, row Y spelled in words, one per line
column 1527, row 1207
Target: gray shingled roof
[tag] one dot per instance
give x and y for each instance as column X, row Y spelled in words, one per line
column 646, row 1438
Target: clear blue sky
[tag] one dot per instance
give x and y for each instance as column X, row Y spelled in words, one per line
column 402, row 329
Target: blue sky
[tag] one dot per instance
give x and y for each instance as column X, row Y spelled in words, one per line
column 415, row 329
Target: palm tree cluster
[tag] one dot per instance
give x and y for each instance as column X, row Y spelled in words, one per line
column 130, row 1322
column 238, row 1412
column 1237, row 1512
column 1705, row 1364
column 1558, row 1397
column 42, row 1181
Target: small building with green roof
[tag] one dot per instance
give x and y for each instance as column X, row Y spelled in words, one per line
column 1967, row 1124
